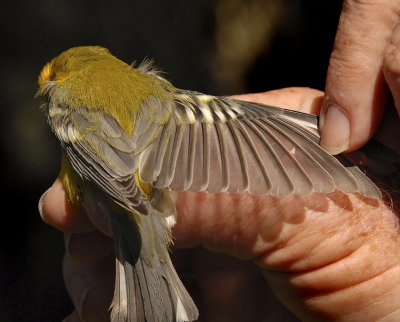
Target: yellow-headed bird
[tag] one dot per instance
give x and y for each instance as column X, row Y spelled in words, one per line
column 133, row 137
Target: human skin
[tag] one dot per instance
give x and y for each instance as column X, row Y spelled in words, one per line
column 356, row 91
column 328, row 257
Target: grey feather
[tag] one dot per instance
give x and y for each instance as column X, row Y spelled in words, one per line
column 238, row 146
column 147, row 286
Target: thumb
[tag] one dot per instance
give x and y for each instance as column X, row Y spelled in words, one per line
column 355, row 92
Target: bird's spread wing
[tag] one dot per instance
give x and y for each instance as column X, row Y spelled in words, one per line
column 220, row 144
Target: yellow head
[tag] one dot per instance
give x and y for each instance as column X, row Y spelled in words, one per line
column 70, row 61
column 91, row 77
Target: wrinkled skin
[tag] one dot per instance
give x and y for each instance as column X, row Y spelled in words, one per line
column 363, row 69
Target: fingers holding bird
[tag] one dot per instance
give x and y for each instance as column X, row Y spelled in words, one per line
column 310, row 238
column 89, row 259
column 138, row 134
column 87, row 249
column 311, row 241
column 57, row 211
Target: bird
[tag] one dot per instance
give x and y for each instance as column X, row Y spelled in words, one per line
column 132, row 137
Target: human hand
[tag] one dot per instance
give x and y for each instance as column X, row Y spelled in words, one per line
column 360, row 70
column 326, row 257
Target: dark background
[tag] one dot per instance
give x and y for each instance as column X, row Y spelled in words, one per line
column 218, row 47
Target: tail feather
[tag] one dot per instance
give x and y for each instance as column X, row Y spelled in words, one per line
column 147, row 287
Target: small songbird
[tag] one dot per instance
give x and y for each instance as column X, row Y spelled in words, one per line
column 132, row 137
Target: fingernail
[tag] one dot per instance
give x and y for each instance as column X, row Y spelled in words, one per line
column 40, row 204
column 335, row 136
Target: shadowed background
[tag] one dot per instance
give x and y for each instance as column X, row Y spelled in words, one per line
column 218, row 47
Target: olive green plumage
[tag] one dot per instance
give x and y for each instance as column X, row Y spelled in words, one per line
column 93, row 78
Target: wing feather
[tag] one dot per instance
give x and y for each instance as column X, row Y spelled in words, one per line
column 207, row 144
column 205, row 165
column 331, row 171
column 224, row 157
column 101, row 152
column 220, row 144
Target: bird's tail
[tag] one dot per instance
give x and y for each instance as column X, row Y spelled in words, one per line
column 147, row 287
